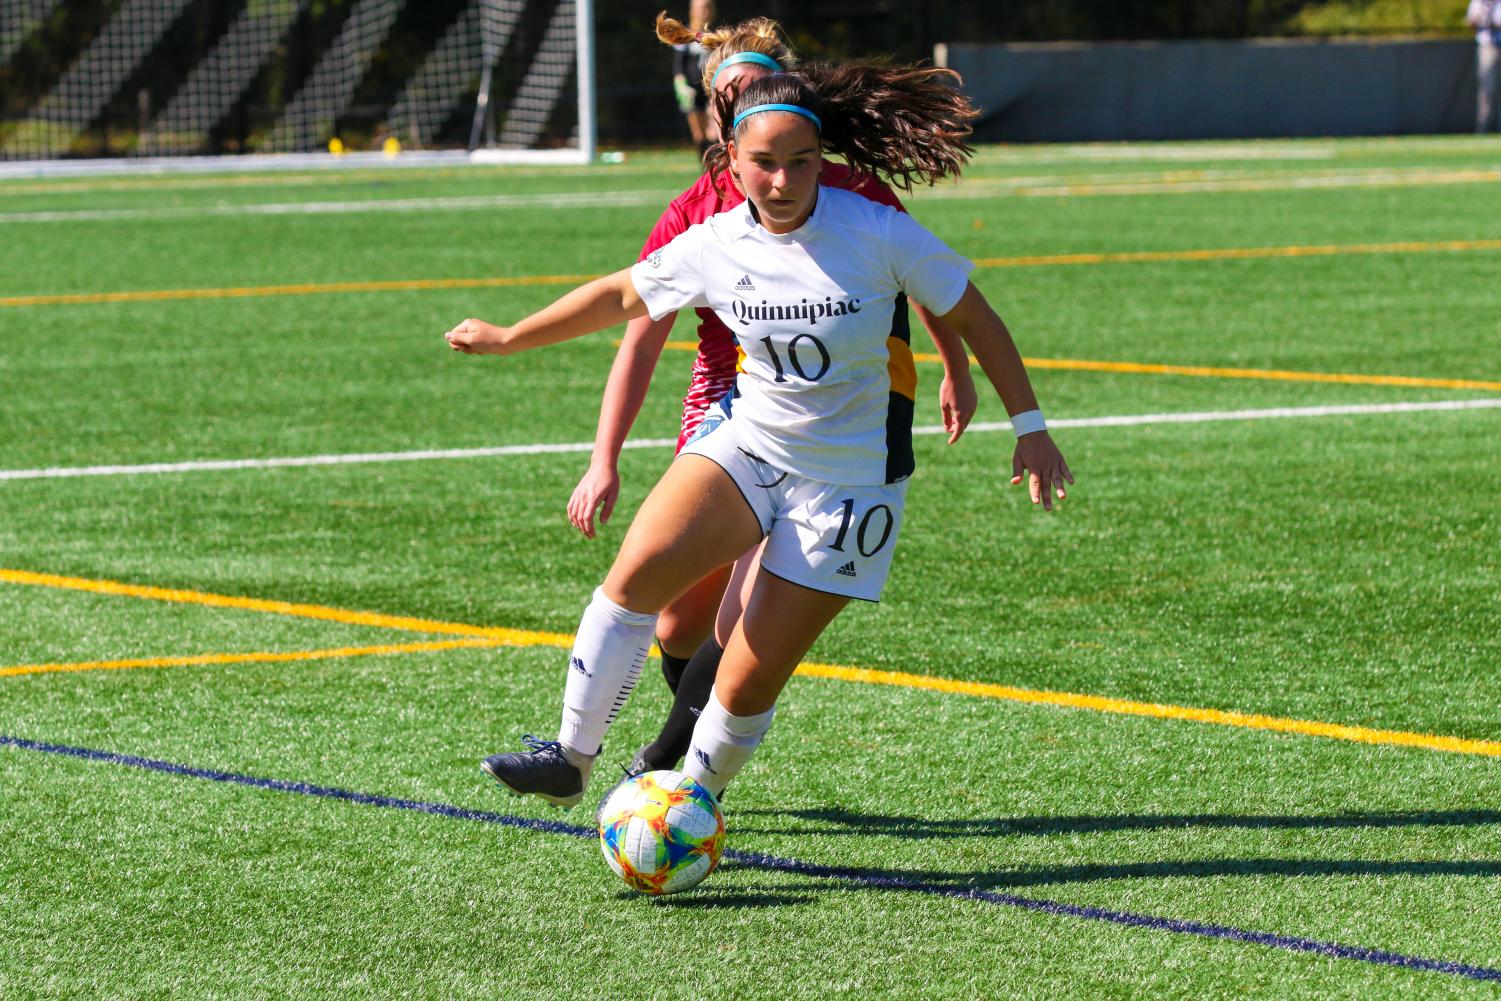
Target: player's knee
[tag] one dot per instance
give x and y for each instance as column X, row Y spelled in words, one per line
column 630, row 592
column 681, row 634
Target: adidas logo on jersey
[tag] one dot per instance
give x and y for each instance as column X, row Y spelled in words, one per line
column 745, row 284
column 848, row 569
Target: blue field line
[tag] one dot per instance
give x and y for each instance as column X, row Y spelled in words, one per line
column 872, row 878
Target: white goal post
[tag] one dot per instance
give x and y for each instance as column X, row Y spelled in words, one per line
column 178, row 84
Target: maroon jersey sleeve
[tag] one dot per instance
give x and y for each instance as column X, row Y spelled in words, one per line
column 839, row 175
column 672, row 222
column 693, row 206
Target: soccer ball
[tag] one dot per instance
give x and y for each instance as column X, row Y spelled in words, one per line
column 661, row 832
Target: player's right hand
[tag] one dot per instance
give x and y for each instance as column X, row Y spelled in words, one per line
column 474, row 337
column 958, row 402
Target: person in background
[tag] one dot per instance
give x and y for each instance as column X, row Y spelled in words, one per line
column 688, row 74
column 1485, row 17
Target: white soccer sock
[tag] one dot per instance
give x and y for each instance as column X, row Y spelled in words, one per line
column 723, row 743
column 608, row 654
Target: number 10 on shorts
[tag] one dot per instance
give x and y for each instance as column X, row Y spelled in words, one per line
column 874, row 529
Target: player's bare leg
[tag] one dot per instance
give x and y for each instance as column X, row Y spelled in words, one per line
column 780, row 623
column 693, row 522
column 684, row 625
column 737, row 594
column 696, row 680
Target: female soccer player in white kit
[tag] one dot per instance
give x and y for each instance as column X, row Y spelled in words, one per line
column 817, row 449
column 688, row 637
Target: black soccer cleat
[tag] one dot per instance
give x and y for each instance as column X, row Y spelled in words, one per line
column 641, row 764
column 638, row 765
column 543, row 771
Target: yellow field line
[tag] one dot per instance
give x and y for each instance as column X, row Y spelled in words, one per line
column 1209, row 372
column 1030, row 261
column 1237, row 253
column 1104, row 704
column 514, row 637
column 263, row 657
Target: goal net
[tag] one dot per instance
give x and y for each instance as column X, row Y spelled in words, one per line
column 174, row 78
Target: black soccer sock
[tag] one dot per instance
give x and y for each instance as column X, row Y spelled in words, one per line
column 672, row 668
column 688, row 701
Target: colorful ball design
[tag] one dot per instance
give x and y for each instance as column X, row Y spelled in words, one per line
column 661, row 832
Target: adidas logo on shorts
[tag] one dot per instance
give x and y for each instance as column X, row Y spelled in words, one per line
column 745, row 284
column 848, row 569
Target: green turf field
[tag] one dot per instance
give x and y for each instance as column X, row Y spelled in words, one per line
column 1232, row 726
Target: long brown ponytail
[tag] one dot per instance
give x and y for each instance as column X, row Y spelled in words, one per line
column 903, row 123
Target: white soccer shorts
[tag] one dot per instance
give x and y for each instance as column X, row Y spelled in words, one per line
column 823, row 536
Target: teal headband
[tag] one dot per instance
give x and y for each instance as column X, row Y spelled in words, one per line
column 810, row 116
column 745, row 57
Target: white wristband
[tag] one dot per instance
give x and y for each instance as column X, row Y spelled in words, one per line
column 1027, row 422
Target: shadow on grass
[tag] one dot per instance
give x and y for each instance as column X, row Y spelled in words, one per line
column 921, row 828
column 1012, row 879
column 836, row 822
column 712, row 897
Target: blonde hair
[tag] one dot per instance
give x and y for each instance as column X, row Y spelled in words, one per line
column 759, row 34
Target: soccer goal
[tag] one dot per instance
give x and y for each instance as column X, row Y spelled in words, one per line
column 136, row 80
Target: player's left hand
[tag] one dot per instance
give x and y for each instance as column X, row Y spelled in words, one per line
column 475, row 337
column 598, row 490
column 683, row 91
column 958, row 401
column 1037, row 456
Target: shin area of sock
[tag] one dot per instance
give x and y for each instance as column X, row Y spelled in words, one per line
column 691, row 697
column 608, row 654
column 723, row 743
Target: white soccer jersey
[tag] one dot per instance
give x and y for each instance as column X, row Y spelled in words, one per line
column 826, row 379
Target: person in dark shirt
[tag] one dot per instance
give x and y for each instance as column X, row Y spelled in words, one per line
column 688, row 74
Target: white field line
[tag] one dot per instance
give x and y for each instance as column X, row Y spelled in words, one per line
column 1209, row 416
column 296, row 179
column 1128, row 420
column 1371, row 179
column 457, row 203
column 1150, row 152
column 1238, row 152
column 254, row 164
column 981, row 188
column 350, row 458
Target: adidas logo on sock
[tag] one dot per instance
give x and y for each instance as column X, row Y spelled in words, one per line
column 745, row 284
column 848, row 569
column 703, row 759
column 578, row 665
